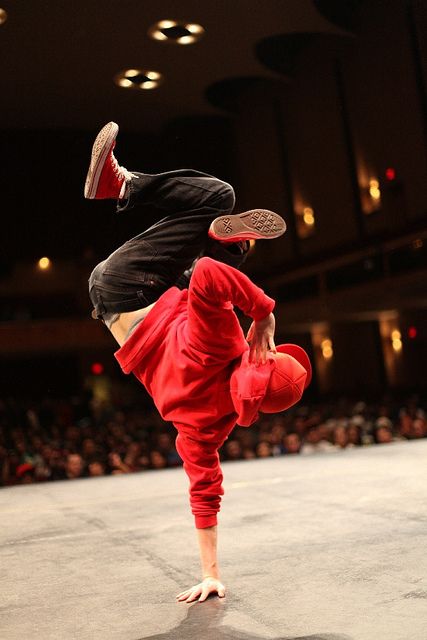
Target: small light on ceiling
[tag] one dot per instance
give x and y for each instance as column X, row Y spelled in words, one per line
column 158, row 35
column 176, row 31
column 327, row 350
column 305, row 220
column 3, row 16
column 138, row 79
column 148, row 84
column 412, row 333
column 390, row 174
column 166, row 24
column 252, row 244
column 396, row 340
column 44, row 263
column 97, row 368
column 370, row 196
column 417, row 244
column 195, row 28
column 308, row 216
column 374, row 189
column 186, row 39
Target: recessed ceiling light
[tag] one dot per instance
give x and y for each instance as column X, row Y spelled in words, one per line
column 176, row 31
column 138, row 79
column 3, row 16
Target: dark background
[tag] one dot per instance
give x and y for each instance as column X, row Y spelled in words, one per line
column 298, row 103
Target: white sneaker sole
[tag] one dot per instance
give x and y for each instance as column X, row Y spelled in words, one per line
column 100, row 150
column 257, row 224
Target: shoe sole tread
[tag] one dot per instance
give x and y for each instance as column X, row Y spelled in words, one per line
column 100, row 150
column 256, row 224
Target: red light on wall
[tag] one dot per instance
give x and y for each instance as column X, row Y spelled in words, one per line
column 97, row 368
column 390, row 174
column 412, row 332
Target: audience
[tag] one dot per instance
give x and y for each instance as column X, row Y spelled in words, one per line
column 82, row 437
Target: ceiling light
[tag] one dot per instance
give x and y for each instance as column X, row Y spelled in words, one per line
column 166, row 24
column 3, row 16
column 308, row 216
column 176, row 31
column 138, row 79
column 327, row 350
column 44, row 263
column 186, row 39
column 374, row 189
column 195, row 28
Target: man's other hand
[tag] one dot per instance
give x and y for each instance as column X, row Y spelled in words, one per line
column 202, row 590
column 261, row 339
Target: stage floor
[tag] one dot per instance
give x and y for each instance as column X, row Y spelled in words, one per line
column 332, row 546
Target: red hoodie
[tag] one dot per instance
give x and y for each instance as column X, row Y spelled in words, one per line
column 184, row 352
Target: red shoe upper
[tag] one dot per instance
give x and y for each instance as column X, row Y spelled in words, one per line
column 112, row 178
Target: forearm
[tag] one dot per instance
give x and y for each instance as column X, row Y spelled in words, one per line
column 214, row 284
column 210, row 583
column 207, row 539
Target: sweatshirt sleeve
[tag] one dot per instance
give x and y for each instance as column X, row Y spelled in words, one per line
column 213, row 328
column 201, row 464
column 214, row 283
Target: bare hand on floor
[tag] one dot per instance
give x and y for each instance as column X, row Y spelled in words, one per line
column 202, row 590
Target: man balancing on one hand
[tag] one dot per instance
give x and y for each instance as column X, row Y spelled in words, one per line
column 167, row 296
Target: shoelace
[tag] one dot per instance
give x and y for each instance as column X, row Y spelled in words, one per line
column 120, row 172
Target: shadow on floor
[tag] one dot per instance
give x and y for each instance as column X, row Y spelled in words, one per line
column 203, row 621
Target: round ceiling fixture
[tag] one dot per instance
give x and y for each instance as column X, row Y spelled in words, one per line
column 176, row 31
column 3, row 16
column 138, row 79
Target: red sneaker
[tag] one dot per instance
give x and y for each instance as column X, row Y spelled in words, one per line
column 105, row 178
column 257, row 224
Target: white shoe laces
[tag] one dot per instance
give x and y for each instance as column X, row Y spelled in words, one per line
column 121, row 172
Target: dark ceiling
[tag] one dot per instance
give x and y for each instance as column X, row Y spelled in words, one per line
column 58, row 57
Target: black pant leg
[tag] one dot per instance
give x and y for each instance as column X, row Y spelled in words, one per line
column 174, row 192
column 143, row 268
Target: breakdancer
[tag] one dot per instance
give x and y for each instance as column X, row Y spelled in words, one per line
column 167, row 297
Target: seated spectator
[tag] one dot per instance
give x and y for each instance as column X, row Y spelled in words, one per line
column 248, row 453
column 291, row 443
column 315, row 442
column 383, row 433
column 247, row 439
column 74, row 466
column 89, row 448
column 404, row 429
column 55, row 462
column 96, row 468
column 133, row 453
column 418, row 429
column 72, row 438
column 25, row 473
column 157, row 460
column 263, row 449
column 276, row 435
column 354, row 432
column 116, row 464
column 340, row 437
column 232, row 450
column 166, row 446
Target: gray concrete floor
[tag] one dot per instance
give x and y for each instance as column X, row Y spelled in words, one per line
column 328, row 547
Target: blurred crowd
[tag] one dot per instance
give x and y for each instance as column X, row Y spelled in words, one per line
column 80, row 437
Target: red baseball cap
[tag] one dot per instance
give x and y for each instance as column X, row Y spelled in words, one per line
column 290, row 376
